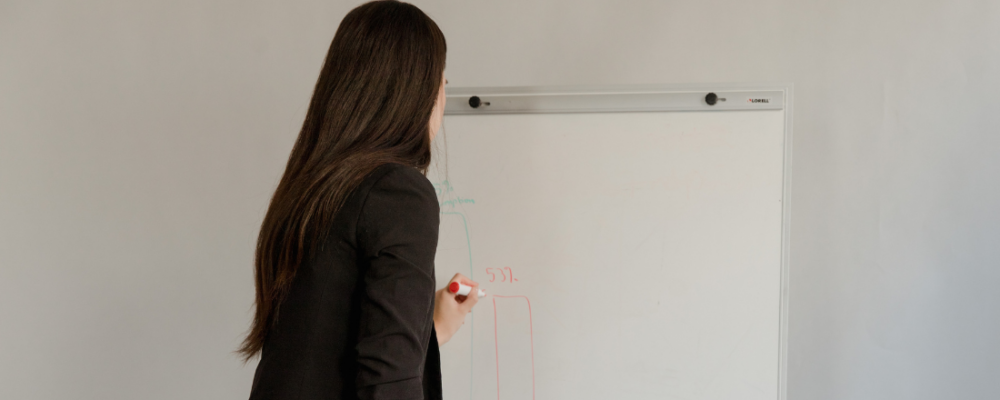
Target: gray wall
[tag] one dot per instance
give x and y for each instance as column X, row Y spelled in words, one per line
column 139, row 142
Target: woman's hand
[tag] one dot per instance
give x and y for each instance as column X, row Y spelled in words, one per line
column 450, row 309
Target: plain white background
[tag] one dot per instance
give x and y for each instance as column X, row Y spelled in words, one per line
column 140, row 140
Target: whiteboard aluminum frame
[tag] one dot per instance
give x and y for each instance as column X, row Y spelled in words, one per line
column 656, row 98
column 586, row 99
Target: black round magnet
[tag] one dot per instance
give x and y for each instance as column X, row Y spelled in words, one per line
column 711, row 98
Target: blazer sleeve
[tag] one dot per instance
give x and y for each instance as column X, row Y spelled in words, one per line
column 397, row 235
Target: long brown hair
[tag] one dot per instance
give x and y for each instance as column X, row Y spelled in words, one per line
column 371, row 106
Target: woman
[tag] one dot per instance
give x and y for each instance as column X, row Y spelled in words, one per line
column 344, row 265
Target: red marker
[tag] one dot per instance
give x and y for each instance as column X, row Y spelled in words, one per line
column 463, row 290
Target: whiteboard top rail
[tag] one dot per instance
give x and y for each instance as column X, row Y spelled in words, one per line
column 597, row 99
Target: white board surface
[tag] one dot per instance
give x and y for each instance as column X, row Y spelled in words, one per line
column 625, row 255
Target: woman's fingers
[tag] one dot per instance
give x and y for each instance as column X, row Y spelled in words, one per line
column 470, row 300
column 469, row 303
column 450, row 309
column 464, row 280
column 466, row 302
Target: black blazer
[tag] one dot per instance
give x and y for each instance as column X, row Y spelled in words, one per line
column 357, row 322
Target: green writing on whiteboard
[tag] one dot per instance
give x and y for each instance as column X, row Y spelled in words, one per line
column 447, row 197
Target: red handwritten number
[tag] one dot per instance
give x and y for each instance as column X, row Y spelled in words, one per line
column 506, row 274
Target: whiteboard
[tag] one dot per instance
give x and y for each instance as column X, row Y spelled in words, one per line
column 624, row 254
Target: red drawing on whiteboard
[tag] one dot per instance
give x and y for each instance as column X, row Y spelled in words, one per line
column 496, row 343
column 504, row 276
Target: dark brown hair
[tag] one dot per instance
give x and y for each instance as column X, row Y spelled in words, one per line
column 371, row 106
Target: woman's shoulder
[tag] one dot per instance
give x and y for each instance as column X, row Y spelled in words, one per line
column 397, row 177
column 400, row 202
column 399, row 172
column 387, row 187
column 399, row 185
